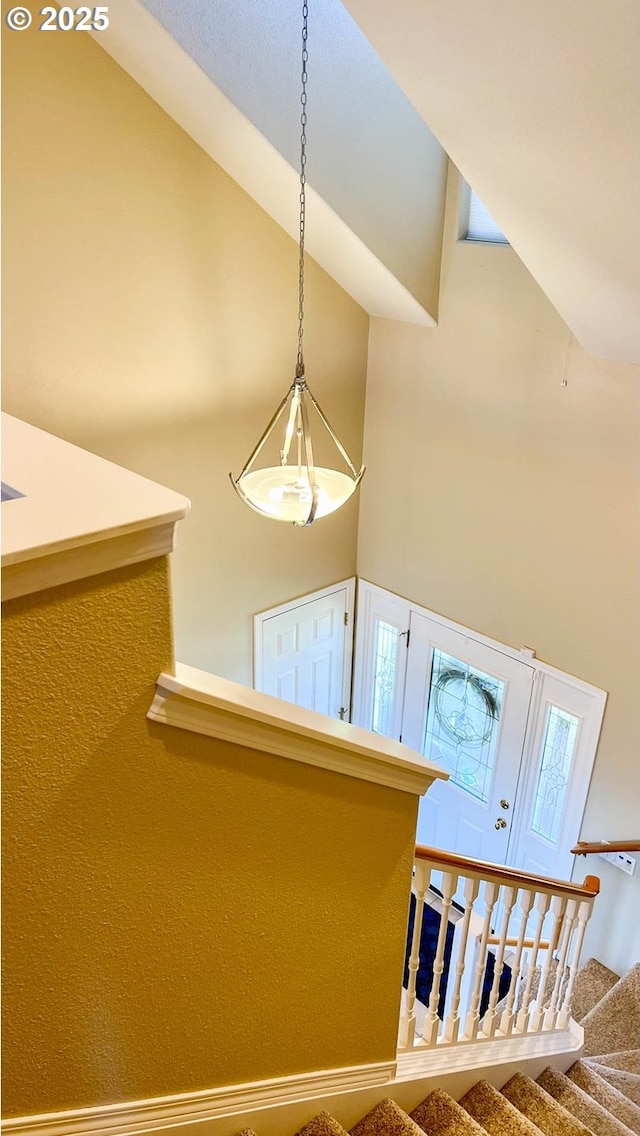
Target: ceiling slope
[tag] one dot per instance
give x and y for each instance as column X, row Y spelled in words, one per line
column 228, row 73
column 538, row 106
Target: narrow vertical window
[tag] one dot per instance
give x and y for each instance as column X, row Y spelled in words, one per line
column 558, row 748
column 384, row 677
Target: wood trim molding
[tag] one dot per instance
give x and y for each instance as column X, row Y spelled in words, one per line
column 479, row 1056
column 282, row 1104
column 48, row 571
column 134, row 1117
column 206, row 704
column 483, row 870
column 77, row 514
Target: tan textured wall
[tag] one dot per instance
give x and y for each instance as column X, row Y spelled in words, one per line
column 150, row 315
column 510, row 503
column 178, row 912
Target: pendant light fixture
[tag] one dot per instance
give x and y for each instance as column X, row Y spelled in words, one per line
column 299, row 492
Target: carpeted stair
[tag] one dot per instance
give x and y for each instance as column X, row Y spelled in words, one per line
column 495, row 1113
column 578, row 1102
column 627, row 1081
column 598, row 1096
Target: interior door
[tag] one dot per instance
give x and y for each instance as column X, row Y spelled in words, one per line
column 466, row 707
column 302, row 650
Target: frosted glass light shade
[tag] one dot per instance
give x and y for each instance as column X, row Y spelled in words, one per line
column 299, row 492
column 280, row 493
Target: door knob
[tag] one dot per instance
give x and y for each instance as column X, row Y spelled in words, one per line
column 504, row 804
column 501, row 823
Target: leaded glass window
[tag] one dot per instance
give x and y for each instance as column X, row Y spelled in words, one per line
column 385, row 657
column 463, row 722
column 558, row 748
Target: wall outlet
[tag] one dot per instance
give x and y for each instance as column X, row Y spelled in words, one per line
column 622, row 860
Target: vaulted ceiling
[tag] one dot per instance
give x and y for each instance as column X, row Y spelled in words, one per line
column 537, row 105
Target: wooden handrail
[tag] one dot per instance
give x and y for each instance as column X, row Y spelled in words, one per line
column 493, row 940
column 584, row 846
column 484, row 870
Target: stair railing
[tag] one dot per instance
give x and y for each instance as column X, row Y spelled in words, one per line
column 507, row 952
column 585, row 847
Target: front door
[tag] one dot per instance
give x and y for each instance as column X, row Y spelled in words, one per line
column 302, row 650
column 466, row 707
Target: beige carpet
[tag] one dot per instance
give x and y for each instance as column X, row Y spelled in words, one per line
column 595, row 980
column 440, row 1115
column 323, row 1125
column 614, row 1024
column 599, row 1096
column 495, row 1113
column 388, row 1118
column 622, row 1080
column 580, row 1104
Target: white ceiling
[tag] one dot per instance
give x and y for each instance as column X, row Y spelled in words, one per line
column 538, row 106
column 370, row 155
column 229, row 73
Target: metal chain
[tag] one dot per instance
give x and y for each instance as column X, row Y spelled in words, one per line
column 303, row 183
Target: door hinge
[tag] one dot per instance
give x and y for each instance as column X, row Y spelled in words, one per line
column 346, row 618
column 343, row 713
column 408, row 635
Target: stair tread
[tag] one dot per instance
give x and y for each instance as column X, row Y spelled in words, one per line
column 609, row 1097
column 614, row 1024
column 541, row 1108
column 593, row 981
column 324, row 1124
column 580, row 1104
column 386, row 1119
column 626, row 1059
column 495, row 1113
column 440, row 1115
column 621, row 1079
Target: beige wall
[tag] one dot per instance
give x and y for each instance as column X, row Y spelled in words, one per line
column 178, row 912
column 150, row 315
column 507, row 502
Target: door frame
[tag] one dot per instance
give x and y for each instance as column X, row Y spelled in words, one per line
column 348, row 585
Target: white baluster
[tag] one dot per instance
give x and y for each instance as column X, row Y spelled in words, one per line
column 507, row 1020
column 542, row 906
column 473, row 1017
column 421, row 880
column 490, row 1020
column 452, row 1023
column 584, row 914
column 558, row 905
column 432, row 1022
column 551, row 1013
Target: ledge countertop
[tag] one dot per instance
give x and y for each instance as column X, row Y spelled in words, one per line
column 191, row 699
column 72, row 500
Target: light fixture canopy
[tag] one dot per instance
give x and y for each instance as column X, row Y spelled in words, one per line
column 301, row 492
